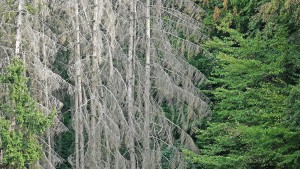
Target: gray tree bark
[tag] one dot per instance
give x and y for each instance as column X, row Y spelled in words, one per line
column 21, row 12
column 78, row 121
column 146, row 142
column 130, row 82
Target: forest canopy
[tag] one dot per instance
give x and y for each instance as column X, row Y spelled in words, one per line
column 253, row 85
column 149, row 84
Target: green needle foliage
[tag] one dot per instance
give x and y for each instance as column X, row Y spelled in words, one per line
column 249, row 127
column 254, row 86
column 21, row 122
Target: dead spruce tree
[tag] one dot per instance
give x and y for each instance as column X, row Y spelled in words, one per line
column 127, row 62
column 131, row 64
column 78, row 123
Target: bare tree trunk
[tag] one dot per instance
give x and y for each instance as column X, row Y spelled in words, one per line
column 81, row 135
column 19, row 29
column 96, row 41
column 112, row 47
column 17, row 48
column 146, row 144
column 130, row 82
column 78, row 123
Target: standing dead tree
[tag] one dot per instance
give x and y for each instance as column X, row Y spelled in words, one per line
column 134, row 68
column 128, row 61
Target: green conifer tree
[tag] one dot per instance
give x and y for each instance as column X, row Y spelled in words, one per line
column 21, row 121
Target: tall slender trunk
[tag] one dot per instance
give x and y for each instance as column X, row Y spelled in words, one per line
column 19, row 29
column 78, row 123
column 146, row 144
column 112, row 43
column 130, row 82
column 17, row 49
column 96, row 40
